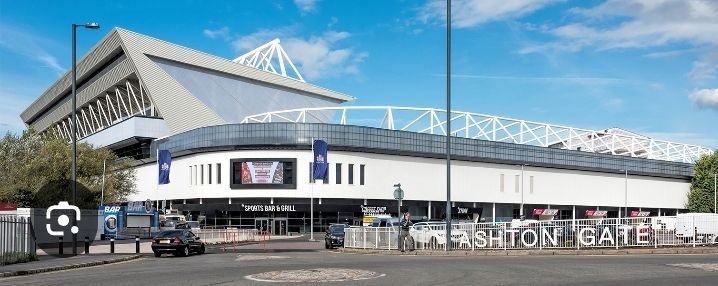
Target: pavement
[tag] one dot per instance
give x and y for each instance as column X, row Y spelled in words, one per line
column 53, row 263
column 242, row 266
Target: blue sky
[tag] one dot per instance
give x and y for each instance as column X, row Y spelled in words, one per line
column 646, row 66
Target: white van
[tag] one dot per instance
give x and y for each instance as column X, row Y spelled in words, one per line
column 704, row 226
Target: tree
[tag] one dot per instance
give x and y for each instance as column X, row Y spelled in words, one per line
column 35, row 171
column 700, row 197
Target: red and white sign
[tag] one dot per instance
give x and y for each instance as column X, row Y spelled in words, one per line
column 548, row 212
column 640, row 214
column 7, row 207
column 596, row 213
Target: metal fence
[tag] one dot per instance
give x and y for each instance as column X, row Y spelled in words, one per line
column 683, row 230
column 16, row 238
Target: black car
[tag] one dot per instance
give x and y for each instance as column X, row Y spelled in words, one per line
column 334, row 235
column 180, row 242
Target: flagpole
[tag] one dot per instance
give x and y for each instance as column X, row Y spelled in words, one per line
column 311, row 204
column 157, row 161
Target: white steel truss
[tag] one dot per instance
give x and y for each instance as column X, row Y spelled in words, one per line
column 492, row 128
column 124, row 100
column 263, row 58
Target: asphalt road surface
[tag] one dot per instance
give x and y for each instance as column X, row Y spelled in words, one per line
column 227, row 268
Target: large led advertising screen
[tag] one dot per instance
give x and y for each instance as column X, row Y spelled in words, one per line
column 260, row 173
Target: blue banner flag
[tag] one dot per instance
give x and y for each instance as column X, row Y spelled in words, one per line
column 164, row 161
column 320, row 159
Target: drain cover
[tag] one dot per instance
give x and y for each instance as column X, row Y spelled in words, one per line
column 315, row 275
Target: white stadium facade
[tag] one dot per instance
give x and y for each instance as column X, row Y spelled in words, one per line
column 138, row 94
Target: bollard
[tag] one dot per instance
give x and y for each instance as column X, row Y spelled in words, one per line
column 60, row 249
column 137, row 244
column 87, row 245
column 112, row 245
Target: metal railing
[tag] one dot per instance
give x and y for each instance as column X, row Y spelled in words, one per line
column 692, row 230
column 16, row 238
column 491, row 128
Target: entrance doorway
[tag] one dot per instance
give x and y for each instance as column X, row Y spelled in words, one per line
column 280, row 226
column 275, row 226
column 263, row 224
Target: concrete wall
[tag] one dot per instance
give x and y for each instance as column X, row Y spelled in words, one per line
column 422, row 179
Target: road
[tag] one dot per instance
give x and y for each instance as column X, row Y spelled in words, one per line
column 224, row 268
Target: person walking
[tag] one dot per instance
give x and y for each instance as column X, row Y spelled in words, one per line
column 405, row 236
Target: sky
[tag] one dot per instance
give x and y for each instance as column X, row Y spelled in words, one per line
column 648, row 66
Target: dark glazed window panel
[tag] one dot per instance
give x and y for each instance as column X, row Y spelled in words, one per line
column 338, row 173
column 209, row 174
column 219, row 173
column 361, row 174
column 351, row 174
column 373, row 140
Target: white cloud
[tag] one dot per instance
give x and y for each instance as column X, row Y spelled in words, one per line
column 222, row 33
column 703, row 71
column 316, row 57
column 306, row 6
column 705, row 98
column 640, row 23
column 21, row 42
column 471, row 13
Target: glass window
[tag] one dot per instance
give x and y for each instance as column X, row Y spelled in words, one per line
column 190, row 175
column 326, row 175
column 201, row 174
column 531, row 183
column 219, row 173
column 501, row 183
column 361, row 174
column 351, row 174
column 209, row 174
column 338, row 173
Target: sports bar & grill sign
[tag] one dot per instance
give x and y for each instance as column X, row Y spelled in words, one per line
column 268, row 208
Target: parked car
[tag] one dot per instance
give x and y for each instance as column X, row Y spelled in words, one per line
column 334, row 235
column 180, row 242
column 193, row 225
column 385, row 222
column 433, row 234
column 702, row 227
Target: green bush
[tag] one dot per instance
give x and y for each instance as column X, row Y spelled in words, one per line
column 17, row 257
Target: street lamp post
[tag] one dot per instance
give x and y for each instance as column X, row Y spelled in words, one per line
column 448, row 125
column 398, row 196
column 715, row 194
column 521, row 211
column 625, row 194
column 91, row 25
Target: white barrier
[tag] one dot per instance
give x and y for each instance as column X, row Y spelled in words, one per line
column 228, row 235
column 683, row 230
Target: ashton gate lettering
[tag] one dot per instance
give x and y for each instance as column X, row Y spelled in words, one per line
column 560, row 237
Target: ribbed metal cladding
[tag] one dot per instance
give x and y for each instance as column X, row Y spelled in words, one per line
column 179, row 108
column 106, row 82
column 189, row 56
column 104, row 48
column 384, row 141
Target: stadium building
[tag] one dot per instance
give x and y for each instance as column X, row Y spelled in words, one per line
column 240, row 132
